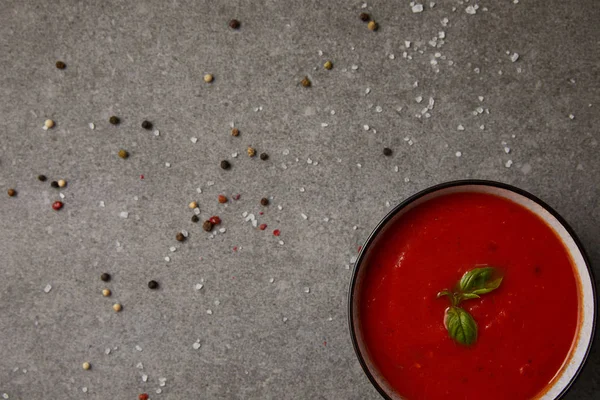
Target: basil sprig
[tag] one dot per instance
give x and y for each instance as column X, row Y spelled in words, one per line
column 460, row 325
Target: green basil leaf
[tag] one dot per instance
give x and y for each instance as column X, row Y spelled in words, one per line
column 444, row 292
column 478, row 280
column 461, row 326
column 467, row 296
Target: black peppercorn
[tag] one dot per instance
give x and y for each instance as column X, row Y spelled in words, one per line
column 387, row 151
column 105, row 277
column 364, row 17
column 234, row 24
column 195, row 218
column 54, row 184
column 114, row 120
column 153, row 285
column 180, row 237
column 61, row 65
column 207, row 226
column 147, row 125
column 225, row 164
column 264, row 201
column 264, row 156
column 42, row 178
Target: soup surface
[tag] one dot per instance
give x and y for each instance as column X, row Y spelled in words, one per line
column 525, row 327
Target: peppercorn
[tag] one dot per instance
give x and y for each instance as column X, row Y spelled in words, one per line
column 179, row 237
column 54, row 184
column 12, row 192
column 234, row 24
column 207, row 226
column 222, row 199
column 114, row 120
column 328, row 65
column 42, row 178
column 364, row 17
column 225, row 164
column 305, row 82
column 373, row 26
column 49, row 124
column 153, row 285
column 147, row 125
column 387, row 151
column 208, row 78
column 264, row 156
column 106, row 292
column 215, row 220
column 193, row 205
column 61, row 65
column 117, row 307
column 251, row 152
column 123, row 154
column 143, row 396
column 57, row 205
column 264, row 201
column 105, row 277
column 62, row 183
column 86, row 365
column 235, row 132
column 195, row 218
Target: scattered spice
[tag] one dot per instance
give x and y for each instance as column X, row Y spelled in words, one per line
column 42, row 178
column 387, row 151
column 195, row 218
column 262, row 227
column 234, row 24
column 264, row 201
column 207, row 226
column 215, row 220
column 105, row 277
column 62, row 183
column 117, row 307
column 86, row 365
column 225, row 164
column 251, row 151
column 193, row 205
column 106, row 292
column 54, row 184
column 264, row 156
column 235, row 132
column 208, row 78
column 222, row 199
column 305, row 82
column 61, row 65
column 57, row 205
column 153, row 285
column 373, row 25
column 179, row 237
column 276, row 232
column 364, row 17
column 123, row 154
column 147, row 125
column 12, row 192
column 49, row 124
column 328, row 65
column 143, row 396
column 114, row 120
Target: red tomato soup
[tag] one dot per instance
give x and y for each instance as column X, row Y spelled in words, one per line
column 526, row 327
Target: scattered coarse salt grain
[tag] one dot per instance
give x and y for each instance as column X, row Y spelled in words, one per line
column 196, row 345
column 173, row 249
column 571, row 116
column 366, row 127
column 367, row 90
column 124, row 214
column 209, row 312
column 407, row 44
column 48, row 288
column 482, row 127
column 167, row 258
column 198, row 286
column 193, row 139
column 5, row 395
column 92, row 126
column 138, row 347
column 107, row 351
column 460, row 128
column 284, row 319
column 406, row 180
column 144, row 378
column 286, row 152
column 139, row 365
column 101, row 204
column 306, row 289
column 271, row 280
column 506, row 149
column 396, row 169
column 158, row 391
column 324, row 124
column 302, row 190
column 84, row 389
column 514, row 57
column 471, row 9
column 157, row 133
column 417, row 8
column 304, row 216
column 419, row 99
column 508, row 164
column 480, row 98
column 458, row 154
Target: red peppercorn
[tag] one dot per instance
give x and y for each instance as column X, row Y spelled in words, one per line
column 215, row 220
column 276, row 232
column 222, row 199
column 57, row 205
column 143, row 396
column 262, row 227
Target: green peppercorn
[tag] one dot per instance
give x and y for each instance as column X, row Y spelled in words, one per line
column 179, row 237
column 225, row 164
column 153, row 285
column 42, row 178
column 105, row 277
column 123, row 154
column 54, row 184
column 387, row 151
column 114, row 120
column 147, row 125
column 195, row 218
column 264, row 156
column 264, row 201
column 61, row 65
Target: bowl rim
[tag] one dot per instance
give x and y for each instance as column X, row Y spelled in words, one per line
column 440, row 186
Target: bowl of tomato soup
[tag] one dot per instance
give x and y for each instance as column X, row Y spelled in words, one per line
column 472, row 290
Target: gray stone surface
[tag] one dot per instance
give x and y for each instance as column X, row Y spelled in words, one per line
column 145, row 60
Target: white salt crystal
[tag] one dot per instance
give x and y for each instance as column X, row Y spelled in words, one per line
column 193, row 139
column 48, row 288
column 124, row 214
column 196, row 345
column 514, row 57
column 138, row 347
column 92, row 126
column 508, row 164
column 417, row 8
column 461, row 128
column 458, row 154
